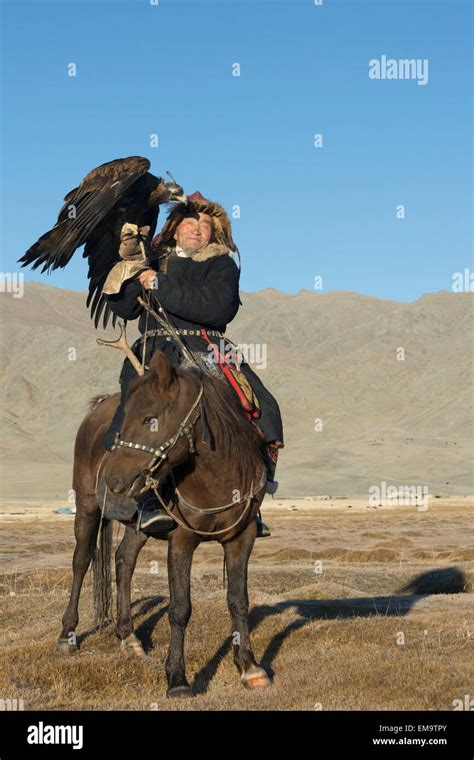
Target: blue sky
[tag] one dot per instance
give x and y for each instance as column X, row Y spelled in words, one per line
column 248, row 140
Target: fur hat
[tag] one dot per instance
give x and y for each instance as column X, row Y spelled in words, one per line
column 222, row 229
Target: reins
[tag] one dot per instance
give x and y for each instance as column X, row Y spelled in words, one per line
column 214, row 510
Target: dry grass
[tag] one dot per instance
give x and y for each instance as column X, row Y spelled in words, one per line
column 327, row 638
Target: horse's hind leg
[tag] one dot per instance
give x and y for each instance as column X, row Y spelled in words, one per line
column 86, row 525
column 237, row 553
column 125, row 561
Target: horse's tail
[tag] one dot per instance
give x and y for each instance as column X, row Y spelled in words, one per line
column 102, row 574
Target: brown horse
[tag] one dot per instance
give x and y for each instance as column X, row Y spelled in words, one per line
column 219, row 484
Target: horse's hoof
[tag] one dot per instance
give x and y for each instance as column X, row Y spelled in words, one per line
column 255, row 678
column 131, row 647
column 180, row 692
column 65, row 646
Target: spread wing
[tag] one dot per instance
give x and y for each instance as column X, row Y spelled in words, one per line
column 93, row 214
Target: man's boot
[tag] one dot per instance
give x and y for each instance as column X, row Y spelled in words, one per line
column 152, row 517
column 141, row 510
column 270, row 457
column 263, row 531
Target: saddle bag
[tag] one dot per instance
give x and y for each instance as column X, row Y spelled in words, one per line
column 237, row 381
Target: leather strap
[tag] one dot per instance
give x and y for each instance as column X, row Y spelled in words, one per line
column 181, row 331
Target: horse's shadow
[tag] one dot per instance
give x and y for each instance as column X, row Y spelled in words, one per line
column 450, row 580
column 145, row 630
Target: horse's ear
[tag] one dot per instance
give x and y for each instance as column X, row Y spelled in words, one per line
column 163, row 368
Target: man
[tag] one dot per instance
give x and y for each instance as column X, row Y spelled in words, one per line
column 194, row 277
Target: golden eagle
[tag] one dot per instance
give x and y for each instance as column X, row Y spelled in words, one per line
column 93, row 214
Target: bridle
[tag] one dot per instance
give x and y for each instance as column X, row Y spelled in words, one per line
column 160, row 454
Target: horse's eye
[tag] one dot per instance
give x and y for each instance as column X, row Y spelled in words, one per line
column 150, row 422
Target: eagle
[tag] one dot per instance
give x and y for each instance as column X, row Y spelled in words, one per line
column 111, row 195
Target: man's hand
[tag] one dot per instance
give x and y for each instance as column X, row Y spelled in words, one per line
column 148, row 278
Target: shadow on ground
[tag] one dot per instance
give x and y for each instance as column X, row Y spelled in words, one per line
column 450, row 580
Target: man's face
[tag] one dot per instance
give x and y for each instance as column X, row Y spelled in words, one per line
column 193, row 233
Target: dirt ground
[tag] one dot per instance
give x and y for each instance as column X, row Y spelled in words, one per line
column 353, row 607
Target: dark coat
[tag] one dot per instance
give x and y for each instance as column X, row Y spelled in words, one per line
column 195, row 293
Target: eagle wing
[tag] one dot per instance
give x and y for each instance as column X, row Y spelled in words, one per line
column 92, row 215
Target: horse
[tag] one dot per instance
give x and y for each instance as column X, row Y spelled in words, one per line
column 186, row 425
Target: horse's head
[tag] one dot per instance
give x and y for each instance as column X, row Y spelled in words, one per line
column 156, row 406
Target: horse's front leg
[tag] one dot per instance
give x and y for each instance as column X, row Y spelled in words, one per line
column 125, row 561
column 181, row 546
column 237, row 554
column 86, row 525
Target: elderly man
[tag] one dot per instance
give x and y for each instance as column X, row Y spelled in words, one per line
column 195, row 278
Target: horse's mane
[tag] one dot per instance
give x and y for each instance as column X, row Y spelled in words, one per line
column 233, row 435
column 96, row 400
